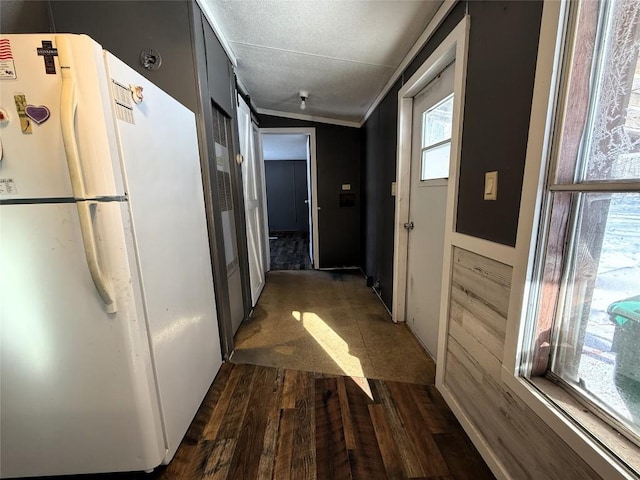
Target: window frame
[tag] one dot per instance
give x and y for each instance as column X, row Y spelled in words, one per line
column 577, row 189
column 549, row 402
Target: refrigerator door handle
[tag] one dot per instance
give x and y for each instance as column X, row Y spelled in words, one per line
column 68, row 110
column 102, row 283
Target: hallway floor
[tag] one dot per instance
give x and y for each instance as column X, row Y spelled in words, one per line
column 329, row 322
column 315, row 415
column 289, row 250
column 267, row 423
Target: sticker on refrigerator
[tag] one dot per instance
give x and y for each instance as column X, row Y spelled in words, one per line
column 7, row 67
column 8, row 186
column 122, row 105
column 39, row 114
column 25, row 121
column 48, row 52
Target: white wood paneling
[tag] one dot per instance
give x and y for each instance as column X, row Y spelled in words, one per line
column 522, row 444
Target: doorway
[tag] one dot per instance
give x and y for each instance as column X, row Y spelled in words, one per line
column 289, row 164
column 424, row 196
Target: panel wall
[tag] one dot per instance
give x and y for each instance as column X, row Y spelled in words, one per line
column 24, row 16
column 126, row 28
column 523, row 443
column 503, row 47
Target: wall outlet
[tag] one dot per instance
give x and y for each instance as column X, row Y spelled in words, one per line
column 394, row 189
column 491, row 185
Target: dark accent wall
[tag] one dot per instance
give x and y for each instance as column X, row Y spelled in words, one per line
column 24, row 16
column 163, row 26
column 503, row 48
column 381, row 137
column 503, row 43
column 338, row 162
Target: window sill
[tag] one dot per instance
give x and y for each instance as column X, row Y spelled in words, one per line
column 610, row 454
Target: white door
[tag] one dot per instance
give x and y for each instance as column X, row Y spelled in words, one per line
column 431, row 141
column 264, row 217
column 254, row 200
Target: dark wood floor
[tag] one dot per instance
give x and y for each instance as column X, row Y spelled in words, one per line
column 267, row 423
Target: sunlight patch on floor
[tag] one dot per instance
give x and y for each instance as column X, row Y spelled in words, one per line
column 334, row 346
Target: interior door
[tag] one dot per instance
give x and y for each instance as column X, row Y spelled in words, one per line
column 264, row 218
column 254, row 194
column 431, row 140
column 287, row 195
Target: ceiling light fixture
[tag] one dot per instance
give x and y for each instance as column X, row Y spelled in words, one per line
column 303, row 99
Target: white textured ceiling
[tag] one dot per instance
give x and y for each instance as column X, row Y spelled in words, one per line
column 286, row 146
column 342, row 52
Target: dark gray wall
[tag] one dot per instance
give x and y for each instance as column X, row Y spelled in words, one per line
column 338, row 162
column 24, row 16
column 380, row 132
column 503, row 46
column 125, row 28
column 286, row 192
column 500, row 73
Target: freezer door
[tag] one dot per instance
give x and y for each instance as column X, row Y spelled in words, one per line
column 161, row 164
column 34, row 164
column 76, row 384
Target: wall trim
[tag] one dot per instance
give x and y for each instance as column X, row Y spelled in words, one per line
column 308, row 118
column 433, row 25
column 495, row 251
column 313, row 184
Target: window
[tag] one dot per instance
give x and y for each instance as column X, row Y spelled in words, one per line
column 436, row 140
column 586, row 334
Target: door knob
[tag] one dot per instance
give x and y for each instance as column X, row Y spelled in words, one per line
column 408, row 226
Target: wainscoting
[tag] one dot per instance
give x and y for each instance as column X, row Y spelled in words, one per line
column 520, row 441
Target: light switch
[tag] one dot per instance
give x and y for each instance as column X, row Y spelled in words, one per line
column 491, row 185
column 346, row 186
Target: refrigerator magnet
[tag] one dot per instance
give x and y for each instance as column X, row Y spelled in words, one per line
column 47, row 52
column 39, row 114
column 4, row 117
column 136, row 94
column 25, row 122
column 7, row 67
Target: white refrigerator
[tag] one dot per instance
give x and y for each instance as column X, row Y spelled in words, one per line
column 108, row 326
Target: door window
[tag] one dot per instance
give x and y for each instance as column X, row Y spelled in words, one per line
column 436, row 140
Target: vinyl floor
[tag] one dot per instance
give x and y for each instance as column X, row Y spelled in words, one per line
column 329, row 322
